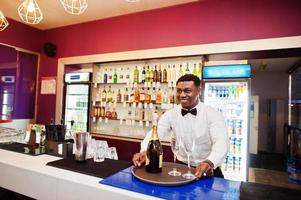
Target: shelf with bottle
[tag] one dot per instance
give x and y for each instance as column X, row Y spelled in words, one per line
column 145, row 72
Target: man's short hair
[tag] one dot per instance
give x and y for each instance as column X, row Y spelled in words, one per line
column 190, row 77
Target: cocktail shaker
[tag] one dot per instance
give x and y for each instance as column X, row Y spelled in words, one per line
column 81, row 142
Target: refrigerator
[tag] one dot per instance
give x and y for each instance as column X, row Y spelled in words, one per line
column 77, row 91
column 7, row 95
column 227, row 88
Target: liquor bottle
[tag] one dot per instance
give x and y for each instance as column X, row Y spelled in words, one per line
column 159, row 75
column 153, row 96
column 164, row 79
column 155, row 74
column 110, row 76
column 137, row 95
column 102, row 112
column 154, row 152
column 173, row 74
column 200, row 71
column 114, row 114
column 143, row 75
column 165, row 97
column 109, row 95
column 136, row 75
column 128, row 76
column 158, row 96
column 115, row 77
column 147, row 75
column 180, row 71
column 121, row 80
column 142, row 96
column 172, row 96
column 147, row 96
column 119, row 96
column 187, row 69
column 194, row 72
column 151, row 75
column 104, row 95
column 126, row 96
column 105, row 76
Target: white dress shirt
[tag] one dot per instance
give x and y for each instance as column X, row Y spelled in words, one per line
column 208, row 126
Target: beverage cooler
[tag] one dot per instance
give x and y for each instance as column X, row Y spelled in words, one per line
column 77, row 98
column 7, row 93
column 227, row 88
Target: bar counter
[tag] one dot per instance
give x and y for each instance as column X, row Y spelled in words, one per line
column 30, row 176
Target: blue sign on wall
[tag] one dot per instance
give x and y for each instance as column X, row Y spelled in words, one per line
column 227, row 71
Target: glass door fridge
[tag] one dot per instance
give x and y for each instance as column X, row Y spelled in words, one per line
column 227, row 88
column 77, row 98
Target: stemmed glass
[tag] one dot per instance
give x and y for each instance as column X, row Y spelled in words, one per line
column 188, row 144
column 175, row 146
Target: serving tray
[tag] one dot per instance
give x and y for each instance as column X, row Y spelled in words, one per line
column 163, row 178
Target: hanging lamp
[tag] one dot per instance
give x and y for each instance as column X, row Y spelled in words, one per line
column 3, row 21
column 74, row 7
column 30, row 12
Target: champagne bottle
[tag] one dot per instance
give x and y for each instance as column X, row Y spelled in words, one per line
column 154, row 153
column 187, row 69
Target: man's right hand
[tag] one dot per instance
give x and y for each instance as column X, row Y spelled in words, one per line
column 139, row 158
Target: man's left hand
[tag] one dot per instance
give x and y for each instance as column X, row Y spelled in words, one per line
column 204, row 169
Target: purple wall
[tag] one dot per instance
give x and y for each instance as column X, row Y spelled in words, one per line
column 200, row 22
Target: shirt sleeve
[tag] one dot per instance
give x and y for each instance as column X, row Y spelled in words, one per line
column 219, row 137
column 164, row 128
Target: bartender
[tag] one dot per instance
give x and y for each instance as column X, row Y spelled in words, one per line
column 211, row 138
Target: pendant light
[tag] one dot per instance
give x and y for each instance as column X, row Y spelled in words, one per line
column 3, row 21
column 30, row 12
column 74, row 7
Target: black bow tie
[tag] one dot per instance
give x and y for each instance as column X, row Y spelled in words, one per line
column 193, row 111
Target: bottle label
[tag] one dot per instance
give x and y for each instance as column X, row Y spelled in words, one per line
column 160, row 161
column 146, row 160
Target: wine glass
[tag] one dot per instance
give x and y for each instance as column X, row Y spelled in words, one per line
column 175, row 146
column 188, row 143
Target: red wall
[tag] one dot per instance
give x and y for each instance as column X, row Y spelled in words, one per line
column 21, row 35
column 200, row 22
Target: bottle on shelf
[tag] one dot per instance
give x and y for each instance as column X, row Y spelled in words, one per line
column 143, row 74
column 172, row 96
column 153, row 96
column 164, row 78
column 121, row 75
column 108, row 114
column 137, row 95
column 119, row 95
column 180, row 71
column 126, row 95
column 147, row 96
column 187, row 71
column 115, row 77
column 105, row 76
column 136, row 75
column 173, row 74
column 154, row 152
column 200, row 71
column 104, row 95
column 102, row 112
column 147, row 75
column 151, row 75
column 110, row 76
column 142, row 95
column 110, row 95
column 128, row 75
column 158, row 96
column 159, row 75
column 155, row 74
column 194, row 72
column 114, row 114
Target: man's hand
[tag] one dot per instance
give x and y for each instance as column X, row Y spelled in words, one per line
column 139, row 158
column 205, row 168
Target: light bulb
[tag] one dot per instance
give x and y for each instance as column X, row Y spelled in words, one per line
column 30, row 6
